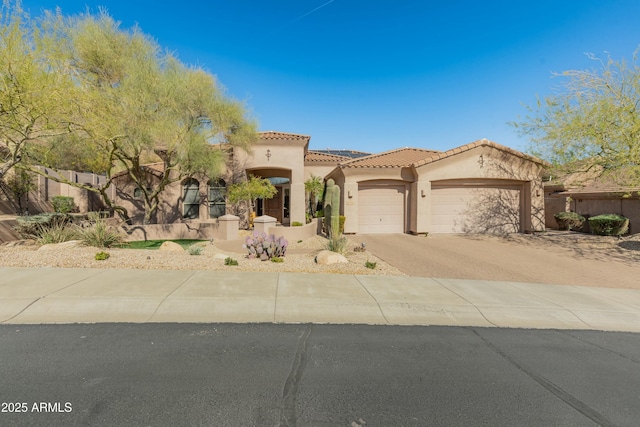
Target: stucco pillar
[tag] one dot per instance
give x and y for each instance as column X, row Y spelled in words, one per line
column 349, row 198
column 421, row 191
column 264, row 223
column 296, row 203
column 228, row 227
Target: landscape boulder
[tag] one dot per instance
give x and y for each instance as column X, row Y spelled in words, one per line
column 58, row 246
column 328, row 258
column 170, row 246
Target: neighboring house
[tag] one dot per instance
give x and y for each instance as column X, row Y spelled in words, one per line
column 479, row 187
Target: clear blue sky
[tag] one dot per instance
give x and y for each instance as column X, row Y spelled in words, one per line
column 380, row 74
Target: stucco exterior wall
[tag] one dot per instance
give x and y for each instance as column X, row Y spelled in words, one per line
column 484, row 162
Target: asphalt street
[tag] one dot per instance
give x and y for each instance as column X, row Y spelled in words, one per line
column 315, row 375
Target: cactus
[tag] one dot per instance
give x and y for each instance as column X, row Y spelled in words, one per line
column 259, row 245
column 332, row 207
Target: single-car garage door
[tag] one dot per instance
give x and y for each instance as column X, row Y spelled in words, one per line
column 381, row 208
column 476, row 208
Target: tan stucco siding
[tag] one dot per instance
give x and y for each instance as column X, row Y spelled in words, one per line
column 486, row 163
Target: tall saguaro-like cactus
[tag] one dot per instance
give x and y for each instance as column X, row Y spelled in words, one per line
column 332, row 207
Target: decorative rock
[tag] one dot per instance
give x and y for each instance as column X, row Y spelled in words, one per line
column 170, row 246
column 328, row 258
column 58, row 246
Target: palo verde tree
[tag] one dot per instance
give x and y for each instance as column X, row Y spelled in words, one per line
column 138, row 104
column 592, row 122
column 249, row 190
column 34, row 102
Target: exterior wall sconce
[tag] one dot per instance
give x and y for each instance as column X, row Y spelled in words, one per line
column 481, row 161
column 349, row 194
column 422, row 193
column 268, row 154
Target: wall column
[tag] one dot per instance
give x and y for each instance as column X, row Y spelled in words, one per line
column 296, row 203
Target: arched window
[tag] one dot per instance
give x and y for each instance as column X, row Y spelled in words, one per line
column 217, row 203
column 190, row 198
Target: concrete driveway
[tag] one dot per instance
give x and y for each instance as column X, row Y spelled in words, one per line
column 521, row 258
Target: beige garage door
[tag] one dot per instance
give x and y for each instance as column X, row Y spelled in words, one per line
column 381, row 209
column 476, row 208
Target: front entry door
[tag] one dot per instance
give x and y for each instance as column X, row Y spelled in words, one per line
column 273, row 207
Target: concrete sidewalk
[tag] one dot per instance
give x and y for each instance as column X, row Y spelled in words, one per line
column 117, row 295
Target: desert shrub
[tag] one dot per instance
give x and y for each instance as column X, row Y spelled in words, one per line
column 569, row 220
column 195, row 250
column 101, row 256
column 57, row 232
column 277, row 259
column 337, row 243
column 230, row 261
column 63, row 204
column 609, row 225
column 319, row 213
column 259, row 245
column 30, row 227
column 99, row 234
column 296, row 224
column 370, row 264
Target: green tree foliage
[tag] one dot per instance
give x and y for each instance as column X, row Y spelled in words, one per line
column 34, row 103
column 314, row 187
column 592, row 122
column 131, row 103
column 20, row 184
column 250, row 190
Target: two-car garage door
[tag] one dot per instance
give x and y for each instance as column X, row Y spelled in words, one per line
column 476, row 208
column 381, row 208
column 459, row 206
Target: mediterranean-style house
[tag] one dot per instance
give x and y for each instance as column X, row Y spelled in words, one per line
column 481, row 187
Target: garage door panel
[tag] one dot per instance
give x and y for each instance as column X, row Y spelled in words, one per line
column 381, row 209
column 476, row 209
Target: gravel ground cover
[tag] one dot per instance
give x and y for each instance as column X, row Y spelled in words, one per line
column 300, row 258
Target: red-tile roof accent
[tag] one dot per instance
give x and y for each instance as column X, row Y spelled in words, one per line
column 314, row 156
column 401, row 157
column 282, row 135
column 479, row 143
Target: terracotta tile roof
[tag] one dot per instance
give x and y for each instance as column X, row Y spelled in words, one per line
column 315, row 156
column 282, row 135
column 479, row 143
column 401, row 157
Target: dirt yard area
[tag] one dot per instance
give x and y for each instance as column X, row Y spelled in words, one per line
column 552, row 257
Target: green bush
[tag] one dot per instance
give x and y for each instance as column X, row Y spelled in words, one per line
column 230, row 261
column 296, row 224
column 319, row 213
column 195, row 250
column 277, row 259
column 63, row 204
column 101, row 256
column 370, row 264
column 569, row 220
column 337, row 244
column 609, row 225
column 99, row 234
